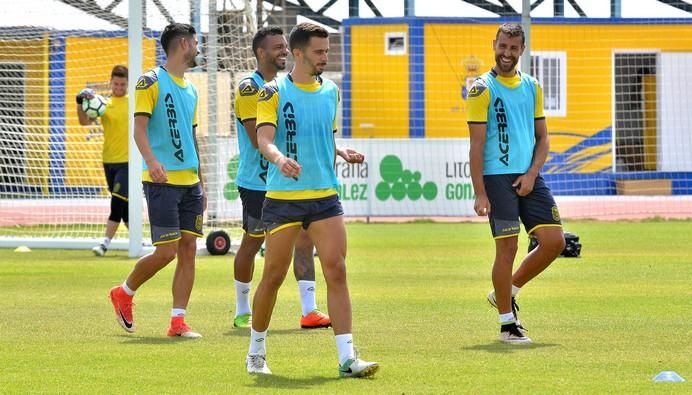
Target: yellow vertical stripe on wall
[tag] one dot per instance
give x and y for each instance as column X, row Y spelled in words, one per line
column 379, row 85
column 88, row 62
column 453, row 53
column 33, row 54
column 650, row 118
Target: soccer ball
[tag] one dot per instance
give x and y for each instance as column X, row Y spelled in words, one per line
column 95, row 107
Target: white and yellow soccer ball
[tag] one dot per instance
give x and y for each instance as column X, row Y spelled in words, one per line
column 94, row 107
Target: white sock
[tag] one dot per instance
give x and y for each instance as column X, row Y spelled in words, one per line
column 507, row 318
column 258, row 342
column 515, row 290
column 242, row 298
column 106, row 242
column 307, row 296
column 177, row 312
column 127, row 289
column 344, row 345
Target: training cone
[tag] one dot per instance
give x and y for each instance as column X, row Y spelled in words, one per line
column 22, row 249
column 668, row 376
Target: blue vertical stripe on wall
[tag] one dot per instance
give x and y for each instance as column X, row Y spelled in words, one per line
column 160, row 55
column 56, row 108
column 346, row 85
column 416, row 75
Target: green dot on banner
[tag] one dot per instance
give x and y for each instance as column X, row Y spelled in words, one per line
column 406, row 177
column 233, row 167
column 382, row 191
column 429, row 190
column 399, row 191
column 416, row 176
column 230, row 191
column 414, row 191
column 391, row 168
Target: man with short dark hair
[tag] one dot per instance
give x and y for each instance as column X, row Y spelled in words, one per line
column 115, row 150
column 271, row 49
column 165, row 128
column 296, row 117
column 509, row 145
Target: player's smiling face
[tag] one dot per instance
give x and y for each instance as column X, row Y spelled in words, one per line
column 507, row 52
column 119, row 86
column 275, row 51
column 315, row 55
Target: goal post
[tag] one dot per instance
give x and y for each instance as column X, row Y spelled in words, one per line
column 135, row 205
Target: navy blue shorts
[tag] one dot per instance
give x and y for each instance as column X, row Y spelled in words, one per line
column 279, row 214
column 535, row 210
column 173, row 209
column 252, row 211
column 116, row 178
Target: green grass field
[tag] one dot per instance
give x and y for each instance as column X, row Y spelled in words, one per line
column 603, row 323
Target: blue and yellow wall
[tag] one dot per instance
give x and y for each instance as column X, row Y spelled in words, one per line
column 59, row 65
column 33, row 54
column 419, row 94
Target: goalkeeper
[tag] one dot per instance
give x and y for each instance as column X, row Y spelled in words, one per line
column 115, row 155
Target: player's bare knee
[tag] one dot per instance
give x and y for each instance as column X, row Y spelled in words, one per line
column 273, row 279
column 334, row 272
column 303, row 242
column 557, row 244
column 506, row 251
column 187, row 241
column 245, row 254
column 552, row 243
column 165, row 254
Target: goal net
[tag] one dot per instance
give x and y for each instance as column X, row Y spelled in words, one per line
column 616, row 99
column 53, row 191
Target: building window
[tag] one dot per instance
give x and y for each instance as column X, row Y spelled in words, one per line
column 549, row 68
column 395, row 43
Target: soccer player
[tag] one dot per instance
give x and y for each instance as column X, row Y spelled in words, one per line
column 165, row 127
column 115, row 141
column 295, row 122
column 271, row 50
column 509, row 145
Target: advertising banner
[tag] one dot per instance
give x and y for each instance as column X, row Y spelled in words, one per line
column 400, row 177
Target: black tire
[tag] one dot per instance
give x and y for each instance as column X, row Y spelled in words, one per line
column 218, row 242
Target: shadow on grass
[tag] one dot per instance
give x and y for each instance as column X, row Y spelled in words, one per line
column 245, row 332
column 154, row 339
column 504, row 348
column 276, row 381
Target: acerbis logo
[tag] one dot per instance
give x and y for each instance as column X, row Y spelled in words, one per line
column 502, row 133
column 291, row 124
column 399, row 183
column 230, row 190
column 176, row 141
